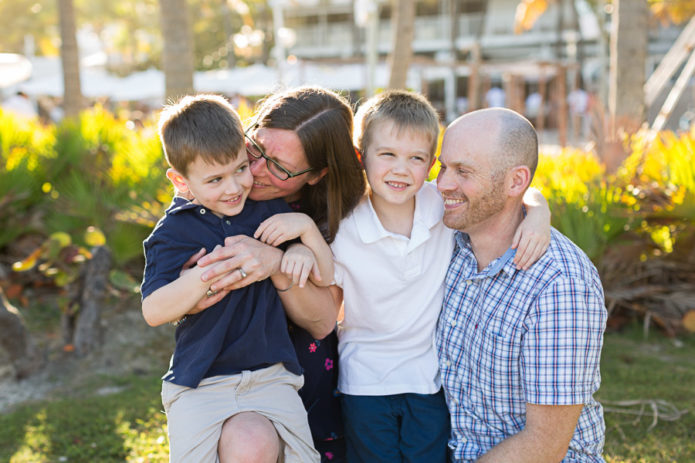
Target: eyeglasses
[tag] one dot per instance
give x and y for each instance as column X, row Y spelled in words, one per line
column 256, row 152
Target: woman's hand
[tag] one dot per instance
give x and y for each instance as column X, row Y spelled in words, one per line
column 206, row 301
column 241, row 261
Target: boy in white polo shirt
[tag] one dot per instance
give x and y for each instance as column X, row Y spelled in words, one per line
column 391, row 256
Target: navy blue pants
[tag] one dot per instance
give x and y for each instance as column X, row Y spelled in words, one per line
column 396, row 428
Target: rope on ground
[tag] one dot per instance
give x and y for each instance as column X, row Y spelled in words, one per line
column 660, row 409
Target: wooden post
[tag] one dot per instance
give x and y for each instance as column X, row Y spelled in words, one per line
column 561, row 99
column 542, row 90
column 88, row 333
column 15, row 340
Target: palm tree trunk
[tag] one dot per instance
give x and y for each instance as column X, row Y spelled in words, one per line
column 627, row 63
column 69, row 55
column 177, row 55
column 403, row 32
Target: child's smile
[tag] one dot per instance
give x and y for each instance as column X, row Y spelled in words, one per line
column 397, row 161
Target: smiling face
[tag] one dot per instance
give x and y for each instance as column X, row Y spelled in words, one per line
column 222, row 188
column 284, row 147
column 470, row 180
column 397, row 161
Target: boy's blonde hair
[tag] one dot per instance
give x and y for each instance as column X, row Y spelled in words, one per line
column 204, row 126
column 408, row 111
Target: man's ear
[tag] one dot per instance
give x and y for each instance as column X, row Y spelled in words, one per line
column 519, row 178
column 178, row 180
column 317, row 178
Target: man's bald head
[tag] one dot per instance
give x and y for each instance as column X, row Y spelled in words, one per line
column 514, row 140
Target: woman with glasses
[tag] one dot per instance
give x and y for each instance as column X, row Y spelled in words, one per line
column 300, row 148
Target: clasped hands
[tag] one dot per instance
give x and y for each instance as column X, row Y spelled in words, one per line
column 244, row 260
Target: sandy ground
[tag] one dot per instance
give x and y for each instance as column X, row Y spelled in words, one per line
column 130, row 347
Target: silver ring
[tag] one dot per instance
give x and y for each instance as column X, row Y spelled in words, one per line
column 210, row 293
column 243, row 274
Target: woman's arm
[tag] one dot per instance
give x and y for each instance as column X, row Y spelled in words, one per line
column 313, row 308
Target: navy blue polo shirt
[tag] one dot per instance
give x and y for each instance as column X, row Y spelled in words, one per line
column 247, row 330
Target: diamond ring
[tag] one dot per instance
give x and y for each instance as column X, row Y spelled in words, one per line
column 243, row 274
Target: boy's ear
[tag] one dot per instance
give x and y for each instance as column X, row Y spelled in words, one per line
column 317, row 178
column 177, row 179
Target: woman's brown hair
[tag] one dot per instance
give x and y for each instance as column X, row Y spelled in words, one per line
column 323, row 122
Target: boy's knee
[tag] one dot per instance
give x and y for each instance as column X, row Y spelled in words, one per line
column 249, row 437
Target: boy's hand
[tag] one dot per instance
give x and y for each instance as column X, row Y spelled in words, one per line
column 279, row 228
column 298, row 262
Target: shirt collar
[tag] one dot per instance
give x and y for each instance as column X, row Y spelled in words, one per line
column 504, row 263
column 429, row 210
column 179, row 204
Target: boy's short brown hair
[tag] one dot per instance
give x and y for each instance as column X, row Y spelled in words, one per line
column 200, row 125
column 408, row 110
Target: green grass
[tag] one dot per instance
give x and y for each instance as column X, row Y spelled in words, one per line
column 129, row 425
column 125, row 426
column 658, row 368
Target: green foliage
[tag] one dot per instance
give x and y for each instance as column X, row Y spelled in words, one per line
column 22, row 147
column 651, row 197
column 90, row 172
column 587, row 204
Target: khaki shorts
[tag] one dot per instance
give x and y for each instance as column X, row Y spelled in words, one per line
column 195, row 415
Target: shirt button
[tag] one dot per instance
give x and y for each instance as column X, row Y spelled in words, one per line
column 447, row 363
column 202, row 211
column 468, row 282
column 452, row 323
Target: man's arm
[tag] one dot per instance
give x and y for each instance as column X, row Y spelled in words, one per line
column 546, row 437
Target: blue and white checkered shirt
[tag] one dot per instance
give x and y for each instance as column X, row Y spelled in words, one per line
column 507, row 337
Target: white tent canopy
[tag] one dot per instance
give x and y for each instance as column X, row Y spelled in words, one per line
column 254, row 80
column 13, row 69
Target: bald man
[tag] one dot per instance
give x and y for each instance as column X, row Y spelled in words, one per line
column 519, row 350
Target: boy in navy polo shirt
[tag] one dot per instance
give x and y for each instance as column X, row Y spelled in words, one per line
column 236, row 356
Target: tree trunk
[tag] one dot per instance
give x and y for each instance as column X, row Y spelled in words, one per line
column 177, row 55
column 70, row 57
column 15, row 340
column 88, row 332
column 627, row 63
column 403, row 32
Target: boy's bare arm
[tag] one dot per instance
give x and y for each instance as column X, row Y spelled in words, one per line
column 532, row 237
column 283, row 227
column 174, row 300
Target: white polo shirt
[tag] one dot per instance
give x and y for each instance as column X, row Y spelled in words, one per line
column 393, row 291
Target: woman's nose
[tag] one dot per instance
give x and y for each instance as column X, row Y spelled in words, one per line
column 256, row 165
